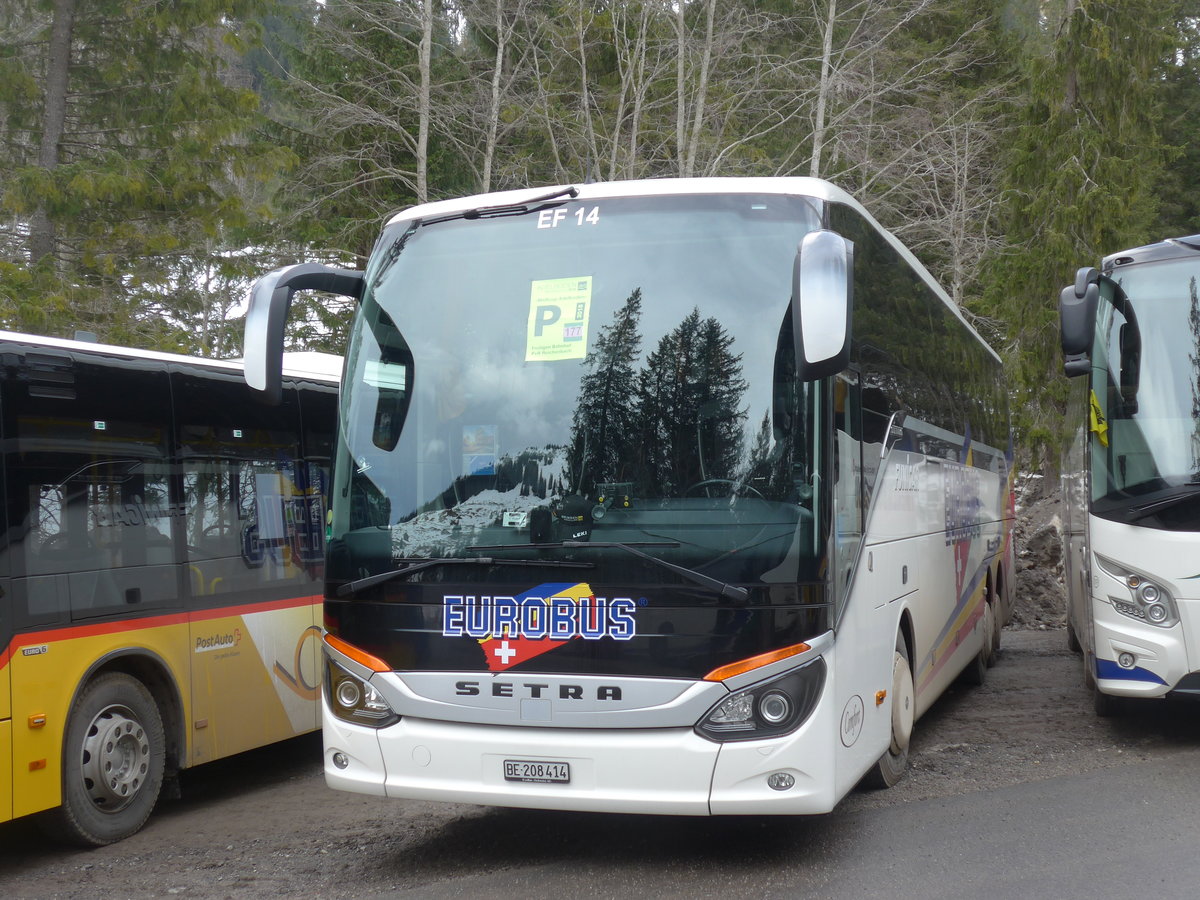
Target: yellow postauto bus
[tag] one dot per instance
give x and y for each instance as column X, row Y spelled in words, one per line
column 160, row 574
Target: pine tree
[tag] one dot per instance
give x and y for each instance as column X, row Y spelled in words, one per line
column 129, row 149
column 1081, row 175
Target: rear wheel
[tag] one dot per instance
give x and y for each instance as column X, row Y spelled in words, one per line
column 891, row 766
column 113, row 761
column 997, row 631
column 976, row 671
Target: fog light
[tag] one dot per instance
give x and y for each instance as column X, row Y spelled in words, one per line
column 1126, row 660
column 340, row 760
column 1156, row 612
column 780, row 781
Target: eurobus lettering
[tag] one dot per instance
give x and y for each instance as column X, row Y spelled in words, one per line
column 553, row 618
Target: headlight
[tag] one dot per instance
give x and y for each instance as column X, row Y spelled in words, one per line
column 771, row 708
column 1148, row 600
column 354, row 700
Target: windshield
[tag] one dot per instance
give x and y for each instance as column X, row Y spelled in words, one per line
column 587, row 375
column 1146, row 403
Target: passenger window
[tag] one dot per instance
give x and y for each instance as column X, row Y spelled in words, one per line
column 92, row 495
column 251, row 527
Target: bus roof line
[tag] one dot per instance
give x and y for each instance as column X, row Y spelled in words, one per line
column 296, row 364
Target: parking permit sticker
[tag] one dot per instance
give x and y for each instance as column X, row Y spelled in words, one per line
column 558, row 319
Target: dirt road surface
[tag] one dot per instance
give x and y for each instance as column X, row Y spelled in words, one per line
column 264, row 824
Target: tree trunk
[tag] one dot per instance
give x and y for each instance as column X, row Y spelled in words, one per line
column 818, row 138
column 680, row 85
column 54, row 117
column 423, row 101
column 493, row 124
column 701, row 92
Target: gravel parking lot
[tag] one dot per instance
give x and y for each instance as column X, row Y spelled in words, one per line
column 264, row 823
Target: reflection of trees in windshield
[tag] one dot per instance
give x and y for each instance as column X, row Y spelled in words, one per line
column 605, row 426
column 676, row 422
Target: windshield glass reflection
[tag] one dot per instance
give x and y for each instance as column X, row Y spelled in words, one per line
column 1149, row 447
column 617, row 371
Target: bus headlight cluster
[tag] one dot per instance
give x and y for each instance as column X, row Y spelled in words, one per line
column 774, row 707
column 354, row 700
column 1148, row 600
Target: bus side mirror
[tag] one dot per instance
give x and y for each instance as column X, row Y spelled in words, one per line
column 822, row 286
column 1077, row 320
column 270, row 298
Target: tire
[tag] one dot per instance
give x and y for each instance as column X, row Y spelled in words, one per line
column 114, row 756
column 894, row 762
column 997, row 631
column 1106, row 706
column 976, row 671
column 1073, row 638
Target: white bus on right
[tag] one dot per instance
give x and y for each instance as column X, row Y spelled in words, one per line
column 1131, row 473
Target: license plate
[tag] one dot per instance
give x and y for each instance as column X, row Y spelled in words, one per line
column 537, row 771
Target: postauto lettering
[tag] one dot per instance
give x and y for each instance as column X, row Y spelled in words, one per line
column 554, row 618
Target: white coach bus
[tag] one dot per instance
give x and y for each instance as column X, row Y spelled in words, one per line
column 680, row 496
column 1131, row 473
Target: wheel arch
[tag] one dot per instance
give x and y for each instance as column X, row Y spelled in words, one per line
column 153, row 672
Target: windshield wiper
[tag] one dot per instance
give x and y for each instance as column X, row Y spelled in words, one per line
column 504, row 209
column 722, row 588
column 416, row 565
column 480, row 212
column 1183, row 493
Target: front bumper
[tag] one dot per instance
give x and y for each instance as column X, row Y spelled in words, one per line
column 670, row 771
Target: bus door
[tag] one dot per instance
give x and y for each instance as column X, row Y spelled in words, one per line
column 252, row 581
column 861, row 587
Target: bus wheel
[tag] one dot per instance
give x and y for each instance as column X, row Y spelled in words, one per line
column 1073, row 638
column 890, row 767
column 113, row 762
column 1109, row 707
column 976, row 671
column 997, row 630
column 1106, row 706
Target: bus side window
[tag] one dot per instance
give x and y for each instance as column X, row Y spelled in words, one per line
column 249, row 526
column 875, row 417
column 95, row 539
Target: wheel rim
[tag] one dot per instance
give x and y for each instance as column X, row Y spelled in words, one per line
column 116, row 758
column 989, row 628
column 902, row 704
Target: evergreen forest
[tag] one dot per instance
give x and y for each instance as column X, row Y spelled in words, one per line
column 157, row 155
